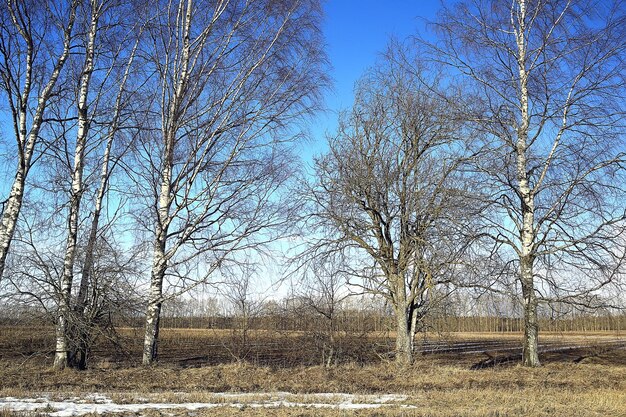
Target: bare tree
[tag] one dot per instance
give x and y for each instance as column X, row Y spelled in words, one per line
column 238, row 290
column 107, row 163
column 35, row 270
column 550, row 77
column 35, row 42
column 230, row 77
column 87, row 123
column 77, row 187
column 323, row 290
column 388, row 194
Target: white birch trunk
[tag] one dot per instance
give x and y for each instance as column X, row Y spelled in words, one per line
column 10, row 215
column 159, row 267
column 169, row 132
column 62, row 350
column 527, row 234
column 153, row 311
column 530, row 353
column 26, row 138
column 159, row 262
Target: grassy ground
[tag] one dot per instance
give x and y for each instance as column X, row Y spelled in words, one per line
column 575, row 383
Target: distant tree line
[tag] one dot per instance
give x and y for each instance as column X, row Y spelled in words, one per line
column 292, row 332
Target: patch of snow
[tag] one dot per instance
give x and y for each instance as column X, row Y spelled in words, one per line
column 389, row 397
column 100, row 404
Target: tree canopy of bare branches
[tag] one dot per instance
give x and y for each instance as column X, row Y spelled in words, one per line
column 35, row 42
column 231, row 78
column 388, row 195
column 549, row 78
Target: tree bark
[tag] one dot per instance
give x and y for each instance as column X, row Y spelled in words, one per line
column 159, row 262
column 10, row 214
column 528, row 237
column 153, row 311
column 62, row 348
column 527, row 201
column 62, row 356
column 27, row 139
column 530, row 353
column 404, row 342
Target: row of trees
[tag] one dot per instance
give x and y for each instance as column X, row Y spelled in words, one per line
column 312, row 311
column 492, row 157
column 169, row 119
column 300, row 330
column 152, row 155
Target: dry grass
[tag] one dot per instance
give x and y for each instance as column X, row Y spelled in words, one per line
column 578, row 383
column 557, row 389
column 468, row 403
column 198, row 347
column 602, row 372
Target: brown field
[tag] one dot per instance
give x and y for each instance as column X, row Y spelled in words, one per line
column 457, row 374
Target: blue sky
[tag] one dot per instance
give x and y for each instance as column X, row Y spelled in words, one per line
column 356, row 32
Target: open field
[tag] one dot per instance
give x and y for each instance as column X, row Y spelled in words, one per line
column 465, row 374
column 202, row 347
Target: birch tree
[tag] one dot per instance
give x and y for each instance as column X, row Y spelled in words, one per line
column 35, row 42
column 108, row 161
column 88, row 122
column 550, row 75
column 388, row 194
column 61, row 353
column 230, row 77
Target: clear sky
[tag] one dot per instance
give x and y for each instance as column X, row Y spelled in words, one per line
column 356, row 32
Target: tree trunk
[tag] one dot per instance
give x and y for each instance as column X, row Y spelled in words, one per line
column 64, row 315
column 413, row 324
column 26, row 140
column 159, row 263
column 151, row 339
column 62, row 348
column 530, row 353
column 331, row 345
column 11, row 209
column 531, row 325
column 527, row 201
column 159, row 267
column 76, row 193
column 153, row 311
column 10, row 214
column 404, row 342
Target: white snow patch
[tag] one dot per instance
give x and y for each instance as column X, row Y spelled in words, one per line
column 100, row 404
